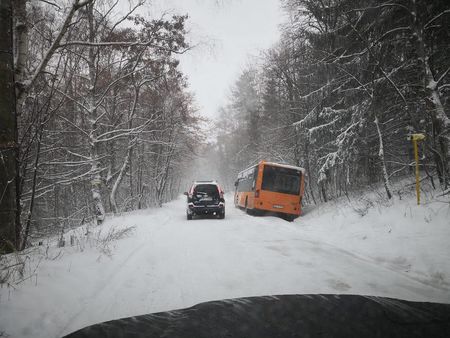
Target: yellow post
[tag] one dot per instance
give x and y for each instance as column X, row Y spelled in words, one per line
column 416, row 138
column 416, row 157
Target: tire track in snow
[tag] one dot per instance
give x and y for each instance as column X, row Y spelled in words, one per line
column 333, row 250
column 366, row 259
column 202, row 260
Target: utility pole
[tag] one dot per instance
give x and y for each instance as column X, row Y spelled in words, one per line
column 9, row 211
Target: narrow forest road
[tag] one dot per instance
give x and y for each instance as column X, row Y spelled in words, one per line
column 169, row 263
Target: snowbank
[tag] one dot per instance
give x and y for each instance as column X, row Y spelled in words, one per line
column 156, row 260
column 398, row 234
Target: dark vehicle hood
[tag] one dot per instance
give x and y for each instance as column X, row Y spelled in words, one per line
column 286, row 316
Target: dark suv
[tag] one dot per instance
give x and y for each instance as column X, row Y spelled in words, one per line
column 205, row 198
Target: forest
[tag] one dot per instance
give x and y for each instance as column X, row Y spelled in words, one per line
column 341, row 93
column 104, row 121
column 104, row 117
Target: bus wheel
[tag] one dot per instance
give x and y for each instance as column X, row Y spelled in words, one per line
column 289, row 218
column 247, row 210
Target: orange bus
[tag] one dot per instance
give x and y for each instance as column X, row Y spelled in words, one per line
column 271, row 187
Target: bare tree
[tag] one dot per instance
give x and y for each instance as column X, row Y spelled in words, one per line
column 89, row 90
column 9, row 206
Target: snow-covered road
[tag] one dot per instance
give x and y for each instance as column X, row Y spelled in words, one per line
column 169, row 262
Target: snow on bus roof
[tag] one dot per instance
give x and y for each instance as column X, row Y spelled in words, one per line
column 283, row 165
column 286, row 166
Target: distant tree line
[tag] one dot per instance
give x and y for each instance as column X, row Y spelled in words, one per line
column 104, row 118
column 340, row 93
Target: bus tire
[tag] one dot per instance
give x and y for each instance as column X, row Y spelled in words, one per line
column 247, row 210
column 289, row 218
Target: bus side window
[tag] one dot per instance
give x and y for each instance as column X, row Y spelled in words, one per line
column 255, row 177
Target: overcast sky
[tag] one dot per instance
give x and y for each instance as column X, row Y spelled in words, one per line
column 230, row 32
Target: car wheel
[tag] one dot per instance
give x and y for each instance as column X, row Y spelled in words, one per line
column 189, row 217
column 222, row 215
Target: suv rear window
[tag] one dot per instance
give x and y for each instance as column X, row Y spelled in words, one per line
column 210, row 189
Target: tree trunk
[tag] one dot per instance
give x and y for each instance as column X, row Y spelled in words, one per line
column 308, row 169
column 127, row 163
column 33, row 191
column 20, row 39
column 9, row 199
column 140, row 185
column 387, row 184
column 96, row 181
column 118, row 181
column 322, row 190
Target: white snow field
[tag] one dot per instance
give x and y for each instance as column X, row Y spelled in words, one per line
column 397, row 250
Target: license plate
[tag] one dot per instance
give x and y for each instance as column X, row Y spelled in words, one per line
column 276, row 206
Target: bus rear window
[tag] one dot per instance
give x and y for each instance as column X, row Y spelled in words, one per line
column 282, row 180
